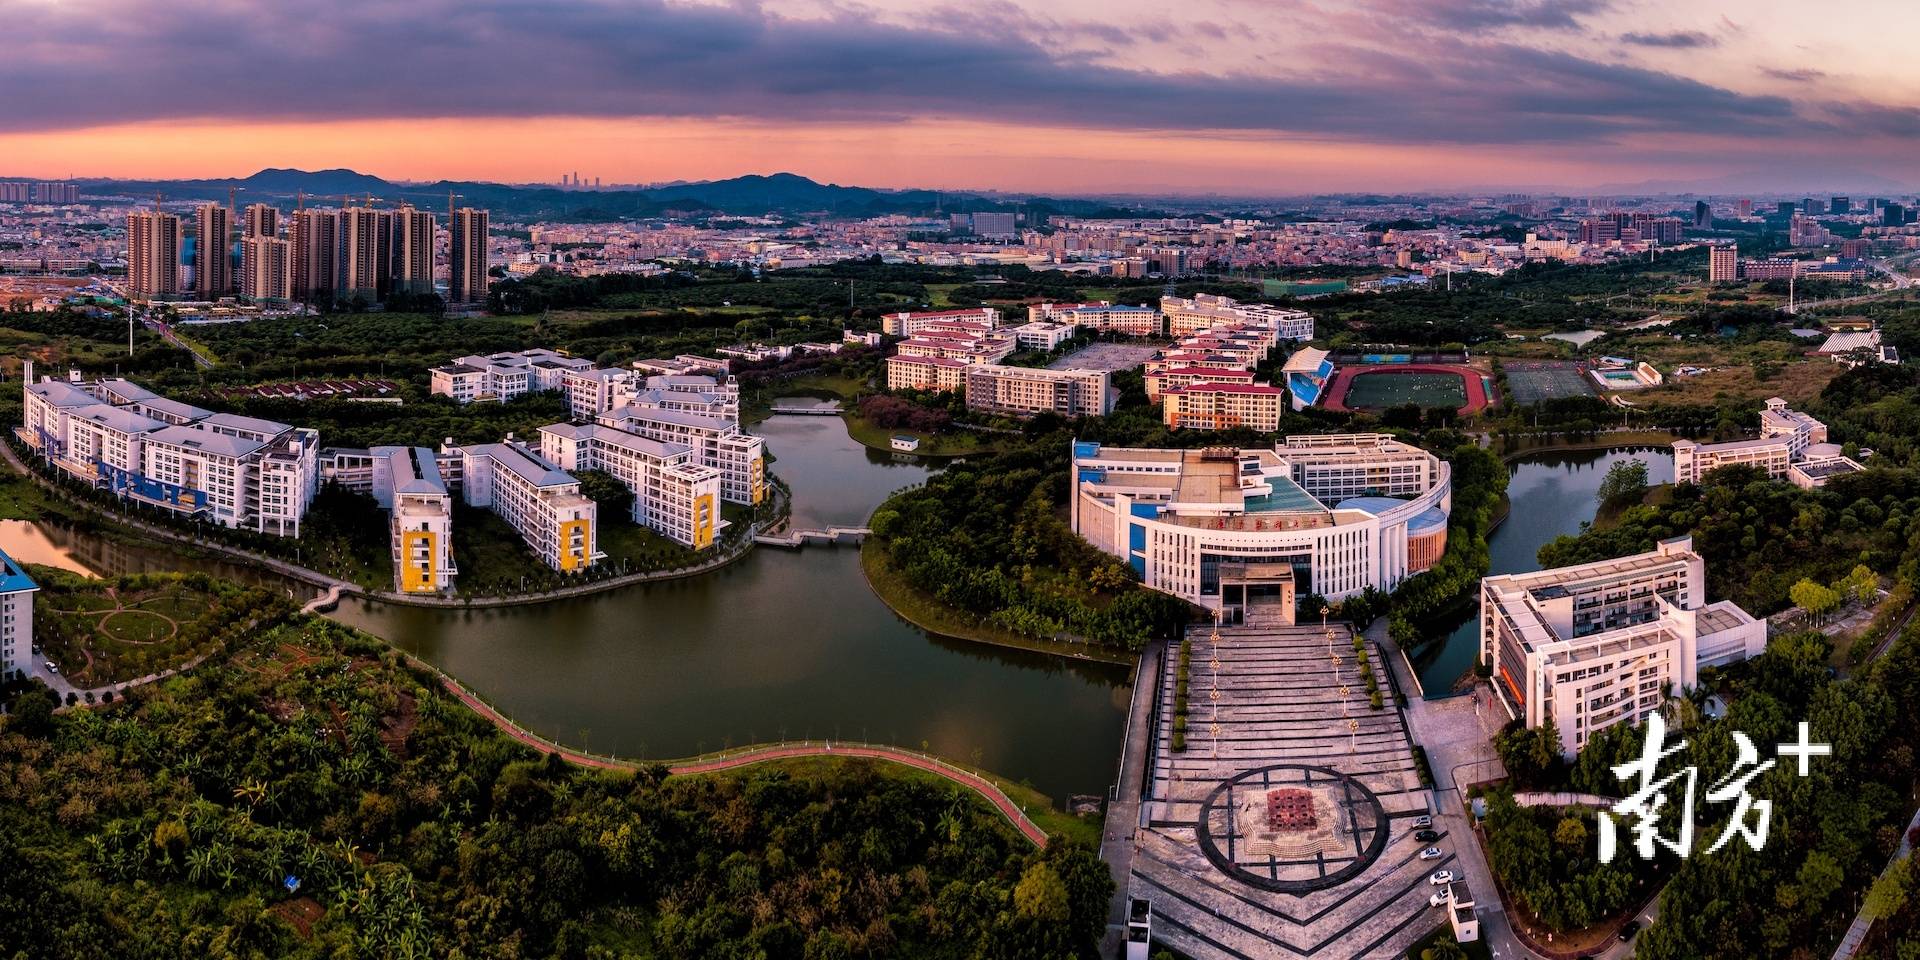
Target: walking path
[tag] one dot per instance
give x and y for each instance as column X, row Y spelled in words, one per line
column 1862, row 922
column 766, row 752
column 1117, row 844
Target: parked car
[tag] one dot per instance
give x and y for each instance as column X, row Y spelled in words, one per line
column 1426, row 836
column 1422, row 822
column 1441, row 878
column 1437, row 900
column 52, row 667
column 1628, row 929
column 1431, row 853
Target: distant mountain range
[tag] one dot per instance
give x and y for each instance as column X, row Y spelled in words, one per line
column 780, row 193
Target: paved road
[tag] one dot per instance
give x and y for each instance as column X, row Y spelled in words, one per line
column 1857, row 931
column 779, row 751
column 1123, row 809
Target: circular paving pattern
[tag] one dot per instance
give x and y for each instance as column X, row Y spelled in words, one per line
column 1292, row 828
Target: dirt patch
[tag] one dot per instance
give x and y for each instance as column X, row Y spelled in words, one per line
column 399, row 726
column 300, row 913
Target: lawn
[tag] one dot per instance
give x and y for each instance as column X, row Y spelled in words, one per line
column 1380, row 390
column 954, row 443
column 107, row 631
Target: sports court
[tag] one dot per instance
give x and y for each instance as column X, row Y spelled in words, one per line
column 1531, row 381
column 1379, row 390
column 1111, row 357
column 1378, row 387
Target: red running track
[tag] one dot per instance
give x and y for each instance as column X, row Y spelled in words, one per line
column 977, row 784
column 1335, row 394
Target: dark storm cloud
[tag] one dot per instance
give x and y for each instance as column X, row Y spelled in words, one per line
column 83, row 64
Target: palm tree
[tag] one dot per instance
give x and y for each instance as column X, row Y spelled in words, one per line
column 199, row 864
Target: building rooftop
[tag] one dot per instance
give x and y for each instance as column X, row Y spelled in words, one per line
column 14, row 579
column 525, row 464
column 119, row 419
column 205, row 441
column 62, row 394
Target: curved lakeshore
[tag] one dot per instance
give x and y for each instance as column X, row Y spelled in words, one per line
column 777, row 645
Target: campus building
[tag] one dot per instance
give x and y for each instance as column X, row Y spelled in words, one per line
column 538, row 499
column 1207, row 310
column 716, row 443
column 1792, row 446
column 1025, row 391
column 1221, row 406
column 1159, row 382
column 1114, row 318
column 503, row 376
column 1340, row 512
column 1602, row 643
column 912, row 324
column 673, row 495
column 16, row 619
column 241, row 472
column 925, row 373
column 407, row 482
column 1307, row 372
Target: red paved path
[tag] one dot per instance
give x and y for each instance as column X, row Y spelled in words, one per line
column 977, row 784
column 1335, row 394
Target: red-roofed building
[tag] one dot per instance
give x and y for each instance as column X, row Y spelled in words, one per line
column 908, row 324
column 925, row 373
column 1159, row 382
column 1220, row 406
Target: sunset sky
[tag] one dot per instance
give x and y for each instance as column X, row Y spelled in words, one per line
column 1232, row 96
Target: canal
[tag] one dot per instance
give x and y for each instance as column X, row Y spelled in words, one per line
column 1550, row 493
column 783, row 644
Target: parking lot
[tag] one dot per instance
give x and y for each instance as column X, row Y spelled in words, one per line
column 1285, row 712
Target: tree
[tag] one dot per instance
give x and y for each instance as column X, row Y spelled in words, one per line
column 33, row 712
column 1890, row 892
column 1815, row 599
column 1625, row 483
column 1571, row 833
column 1041, row 895
column 1446, row 948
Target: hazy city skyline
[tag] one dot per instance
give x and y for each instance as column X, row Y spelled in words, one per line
column 1073, row 96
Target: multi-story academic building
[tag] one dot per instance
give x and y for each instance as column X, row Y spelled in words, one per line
column 538, row 499
column 1206, row 310
column 503, row 376
column 1222, row 406
column 407, row 481
column 1604, row 643
column 1792, row 446
column 716, row 442
column 673, row 494
column 1340, row 513
column 16, row 619
column 925, row 373
column 236, row 471
column 912, row 324
column 1025, row 391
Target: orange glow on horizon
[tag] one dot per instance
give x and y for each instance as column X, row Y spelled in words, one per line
column 921, row 153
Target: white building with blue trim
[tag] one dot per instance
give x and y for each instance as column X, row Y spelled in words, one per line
column 1344, row 512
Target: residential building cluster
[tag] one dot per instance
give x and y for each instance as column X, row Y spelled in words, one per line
column 1341, row 512
column 350, row 254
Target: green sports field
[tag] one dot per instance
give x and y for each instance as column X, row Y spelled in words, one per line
column 1380, row 390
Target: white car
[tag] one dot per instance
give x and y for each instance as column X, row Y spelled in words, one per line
column 1437, row 900
column 1431, row 853
column 52, row 667
column 1421, row 823
column 1441, row 878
